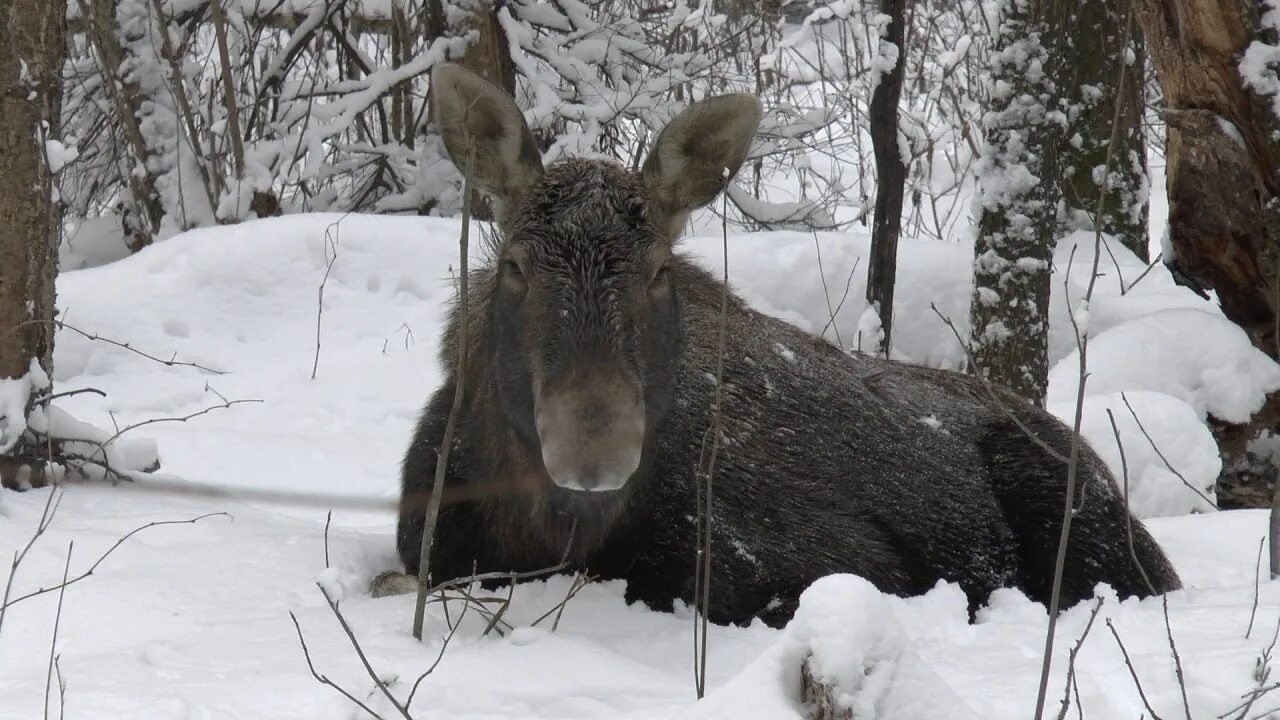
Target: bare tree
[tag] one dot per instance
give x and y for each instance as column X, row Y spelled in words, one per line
column 891, row 175
column 31, row 53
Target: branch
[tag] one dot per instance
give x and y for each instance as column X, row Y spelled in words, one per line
column 333, row 605
column 10, row 603
column 323, row 680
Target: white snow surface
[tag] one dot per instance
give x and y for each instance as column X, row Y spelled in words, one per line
column 192, row 620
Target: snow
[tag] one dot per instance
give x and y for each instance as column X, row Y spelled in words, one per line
column 192, row 620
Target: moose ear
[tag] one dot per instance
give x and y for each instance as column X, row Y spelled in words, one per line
column 696, row 156
column 471, row 110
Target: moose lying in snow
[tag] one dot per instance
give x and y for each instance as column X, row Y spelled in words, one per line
column 589, row 386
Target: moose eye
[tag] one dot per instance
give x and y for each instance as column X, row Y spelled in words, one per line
column 511, row 269
column 512, row 276
column 660, row 278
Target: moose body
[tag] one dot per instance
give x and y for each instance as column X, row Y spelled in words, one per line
column 593, row 358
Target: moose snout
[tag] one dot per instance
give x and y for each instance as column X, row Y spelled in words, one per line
column 592, row 435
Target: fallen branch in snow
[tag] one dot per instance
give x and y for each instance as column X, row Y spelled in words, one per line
column 1071, row 662
column 455, row 410
column 10, row 603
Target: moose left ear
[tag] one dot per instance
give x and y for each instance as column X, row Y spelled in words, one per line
column 696, row 156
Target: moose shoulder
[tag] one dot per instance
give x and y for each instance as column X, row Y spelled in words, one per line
column 590, row 376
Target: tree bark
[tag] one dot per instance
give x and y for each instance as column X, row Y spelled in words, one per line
column 31, row 54
column 1104, row 66
column 891, row 177
column 1221, row 160
column 1019, row 194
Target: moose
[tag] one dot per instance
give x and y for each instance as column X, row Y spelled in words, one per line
column 593, row 366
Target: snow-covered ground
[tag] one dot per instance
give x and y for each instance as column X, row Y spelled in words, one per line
column 192, row 620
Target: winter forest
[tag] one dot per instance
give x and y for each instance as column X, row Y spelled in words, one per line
column 796, row 359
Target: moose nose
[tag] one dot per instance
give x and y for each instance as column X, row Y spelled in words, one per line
column 592, row 435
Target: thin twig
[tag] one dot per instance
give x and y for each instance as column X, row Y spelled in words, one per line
column 1132, row 672
column 1257, row 580
column 57, row 620
column 1128, row 516
column 460, row 373
column 171, row 362
column 323, row 680
column 1071, row 662
column 1052, row 451
column 327, row 517
column 1177, row 660
column 105, row 555
column 330, row 243
column 453, row 629
column 351, row 636
column 1151, row 441
column 46, row 518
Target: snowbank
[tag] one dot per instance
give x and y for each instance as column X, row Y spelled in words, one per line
column 193, row 620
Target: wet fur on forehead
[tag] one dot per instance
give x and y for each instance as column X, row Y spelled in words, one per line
column 583, row 200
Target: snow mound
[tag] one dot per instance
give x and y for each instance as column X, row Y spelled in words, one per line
column 849, row 636
column 1198, row 357
column 1176, row 433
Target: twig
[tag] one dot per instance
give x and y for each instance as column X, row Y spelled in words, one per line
column 327, row 517
column 1052, row 451
column 225, row 405
column 460, row 373
column 440, row 655
column 1132, row 673
column 323, row 680
column 1257, row 572
column 1177, row 660
column 351, row 636
column 702, row 599
column 1161, row 455
column 57, row 620
column 45, row 400
column 1128, row 516
column 330, row 242
column 1071, row 662
column 118, row 543
column 46, row 517
column 62, row 687
column 171, row 362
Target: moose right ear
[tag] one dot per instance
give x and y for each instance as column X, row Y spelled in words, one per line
column 474, row 114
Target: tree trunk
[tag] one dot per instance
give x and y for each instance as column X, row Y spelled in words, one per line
column 1104, row 65
column 31, row 55
column 142, row 222
column 1222, row 160
column 891, row 177
column 1019, row 194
